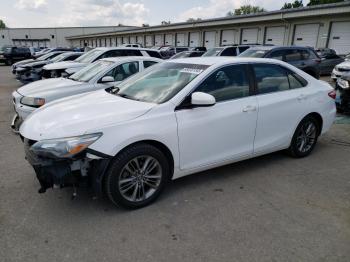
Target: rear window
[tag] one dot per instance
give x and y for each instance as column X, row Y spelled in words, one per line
column 230, row 51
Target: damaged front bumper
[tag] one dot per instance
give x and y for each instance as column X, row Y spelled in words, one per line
column 87, row 167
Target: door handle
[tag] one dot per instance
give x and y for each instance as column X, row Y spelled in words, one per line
column 249, row 109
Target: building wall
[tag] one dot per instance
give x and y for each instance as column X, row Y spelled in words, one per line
column 289, row 19
column 50, row 37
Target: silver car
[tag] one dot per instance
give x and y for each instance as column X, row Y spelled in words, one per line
column 102, row 74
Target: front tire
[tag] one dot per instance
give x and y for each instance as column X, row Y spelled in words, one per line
column 305, row 137
column 137, row 176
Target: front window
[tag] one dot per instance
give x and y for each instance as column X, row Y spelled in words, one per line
column 161, row 82
column 87, row 73
column 213, row 52
column 89, row 56
column 254, row 53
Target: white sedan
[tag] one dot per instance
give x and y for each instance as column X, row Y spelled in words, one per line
column 101, row 74
column 176, row 118
column 340, row 69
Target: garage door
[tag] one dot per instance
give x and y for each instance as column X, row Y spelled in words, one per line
column 169, row 39
column 159, row 40
column 125, row 40
column 209, row 39
column 139, row 39
column 194, row 39
column 275, row 35
column 250, row 36
column 228, row 37
column 149, row 41
column 132, row 39
column 306, row 35
column 180, row 40
column 340, row 37
column 119, row 40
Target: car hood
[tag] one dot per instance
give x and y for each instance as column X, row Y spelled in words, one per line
column 81, row 114
column 24, row 62
column 36, row 63
column 63, row 65
column 345, row 64
column 43, row 88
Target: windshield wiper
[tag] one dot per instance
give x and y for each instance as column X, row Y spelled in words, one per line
column 128, row 97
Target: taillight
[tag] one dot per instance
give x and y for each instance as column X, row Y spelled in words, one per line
column 332, row 94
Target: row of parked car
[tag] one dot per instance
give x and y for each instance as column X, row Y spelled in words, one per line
column 126, row 120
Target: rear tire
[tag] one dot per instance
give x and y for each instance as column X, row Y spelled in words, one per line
column 137, row 176
column 305, row 138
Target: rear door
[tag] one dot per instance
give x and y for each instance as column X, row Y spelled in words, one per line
column 208, row 135
column 282, row 98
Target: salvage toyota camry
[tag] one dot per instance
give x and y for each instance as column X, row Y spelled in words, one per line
column 174, row 119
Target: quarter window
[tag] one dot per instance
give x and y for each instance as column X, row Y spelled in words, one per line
column 148, row 63
column 227, row 83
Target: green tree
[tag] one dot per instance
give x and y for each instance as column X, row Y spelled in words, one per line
column 294, row 4
column 246, row 9
column 2, row 24
column 322, row 2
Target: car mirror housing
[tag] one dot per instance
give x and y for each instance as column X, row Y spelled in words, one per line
column 200, row 99
column 107, row 79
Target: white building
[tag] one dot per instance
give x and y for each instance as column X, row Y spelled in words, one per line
column 50, row 37
column 315, row 26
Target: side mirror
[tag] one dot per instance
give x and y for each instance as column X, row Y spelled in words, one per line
column 201, row 99
column 107, row 79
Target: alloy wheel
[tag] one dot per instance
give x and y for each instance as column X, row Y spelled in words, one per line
column 306, row 137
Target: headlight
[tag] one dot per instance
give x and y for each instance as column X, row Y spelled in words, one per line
column 64, row 147
column 343, row 83
column 32, row 101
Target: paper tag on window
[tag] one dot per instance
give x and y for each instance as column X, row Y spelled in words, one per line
column 191, row 71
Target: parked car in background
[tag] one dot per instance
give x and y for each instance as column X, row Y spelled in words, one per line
column 169, row 51
column 12, row 54
column 187, row 54
column 347, row 57
column 329, row 59
column 227, row 50
column 340, row 70
column 2, row 49
column 47, row 56
column 132, row 45
column 70, row 67
column 55, row 49
column 198, row 48
column 34, row 71
column 101, row 74
column 343, row 87
column 304, row 58
column 177, row 118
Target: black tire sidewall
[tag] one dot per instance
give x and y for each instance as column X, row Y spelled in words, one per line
column 293, row 149
column 112, row 176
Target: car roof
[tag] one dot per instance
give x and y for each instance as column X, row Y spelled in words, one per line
column 218, row 60
column 270, row 47
column 123, row 48
column 131, row 58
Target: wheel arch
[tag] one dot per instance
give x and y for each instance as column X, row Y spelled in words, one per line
column 319, row 120
column 159, row 145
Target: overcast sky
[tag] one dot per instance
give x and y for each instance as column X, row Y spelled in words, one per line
column 50, row 13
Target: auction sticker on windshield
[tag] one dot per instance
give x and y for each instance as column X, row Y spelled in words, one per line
column 192, row 71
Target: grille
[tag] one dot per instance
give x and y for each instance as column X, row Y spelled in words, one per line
column 46, row 73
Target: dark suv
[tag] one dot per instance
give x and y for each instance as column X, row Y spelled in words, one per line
column 304, row 58
column 12, row 54
column 234, row 50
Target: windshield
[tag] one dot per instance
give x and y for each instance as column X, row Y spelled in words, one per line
column 161, row 82
column 89, row 56
column 88, row 72
column 58, row 58
column 254, row 53
column 46, row 56
column 213, row 52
